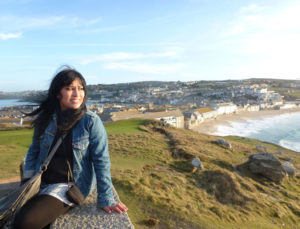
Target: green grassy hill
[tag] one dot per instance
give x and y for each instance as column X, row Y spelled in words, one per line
column 152, row 173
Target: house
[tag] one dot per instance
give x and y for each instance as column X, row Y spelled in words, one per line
column 224, row 108
column 96, row 108
column 253, row 107
column 207, row 113
column 192, row 119
column 288, row 106
column 174, row 118
column 265, row 105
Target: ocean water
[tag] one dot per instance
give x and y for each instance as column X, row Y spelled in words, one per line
column 15, row 102
column 11, row 102
column 282, row 130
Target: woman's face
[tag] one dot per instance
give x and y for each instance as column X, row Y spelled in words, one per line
column 71, row 96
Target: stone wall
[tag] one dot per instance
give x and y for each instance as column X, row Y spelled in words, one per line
column 88, row 216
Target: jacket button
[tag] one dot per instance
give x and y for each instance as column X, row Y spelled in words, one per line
column 46, row 147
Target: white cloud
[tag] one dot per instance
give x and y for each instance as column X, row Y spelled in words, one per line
column 21, row 23
column 250, row 8
column 266, row 42
column 250, row 22
column 119, row 56
column 103, row 29
column 79, row 22
column 91, row 78
column 288, row 20
column 6, row 36
column 168, row 46
column 245, row 24
column 145, row 67
column 48, row 68
column 189, row 75
column 12, row 22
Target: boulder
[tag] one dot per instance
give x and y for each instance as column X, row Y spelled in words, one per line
column 278, row 153
column 267, row 165
column 287, row 159
column 197, row 163
column 261, row 148
column 289, row 168
column 223, row 143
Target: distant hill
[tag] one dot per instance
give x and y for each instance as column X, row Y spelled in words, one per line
column 117, row 88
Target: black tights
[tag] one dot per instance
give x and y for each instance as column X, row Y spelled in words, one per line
column 39, row 212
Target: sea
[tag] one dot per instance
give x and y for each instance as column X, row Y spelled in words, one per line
column 12, row 102
column 283, row 130
column 16, row 102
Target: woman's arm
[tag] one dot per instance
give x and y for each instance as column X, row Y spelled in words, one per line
column 100, row 157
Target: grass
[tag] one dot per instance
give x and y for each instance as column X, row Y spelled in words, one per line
column 171, row 193
column 153, row 176
column 15, row 143
column 13, row 147
column 125, row 126
column 296, row 94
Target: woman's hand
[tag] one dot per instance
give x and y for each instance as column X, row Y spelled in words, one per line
column 120, row 208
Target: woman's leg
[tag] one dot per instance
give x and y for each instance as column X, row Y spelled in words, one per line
column 39, row 212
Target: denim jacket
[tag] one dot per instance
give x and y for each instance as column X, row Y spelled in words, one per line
column 91, row 163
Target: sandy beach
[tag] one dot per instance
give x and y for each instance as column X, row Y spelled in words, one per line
column 211, row 125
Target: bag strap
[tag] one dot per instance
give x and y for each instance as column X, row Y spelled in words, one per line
column 70, row 174
column 51, row 154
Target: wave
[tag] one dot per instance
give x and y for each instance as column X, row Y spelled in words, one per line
column 283, row 130
column 290, row 145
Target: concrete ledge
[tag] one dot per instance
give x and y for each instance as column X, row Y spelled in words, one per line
column 88, row 216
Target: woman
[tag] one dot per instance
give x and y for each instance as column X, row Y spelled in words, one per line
column 84, row 147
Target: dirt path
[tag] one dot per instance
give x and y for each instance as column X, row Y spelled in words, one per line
column 8, row 184
column 10, row 180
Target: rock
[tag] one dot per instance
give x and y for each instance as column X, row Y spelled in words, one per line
column 278, row 153
column 261, row 148
column 88, row 216
column 267, row 165
column 289, row 168
column 223, row 143
column 151, row 222
column 197, row 163
column 287, row 159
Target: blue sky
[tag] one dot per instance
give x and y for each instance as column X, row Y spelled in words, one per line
column 139, row 40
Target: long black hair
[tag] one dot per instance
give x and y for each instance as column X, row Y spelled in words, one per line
column 50, row 105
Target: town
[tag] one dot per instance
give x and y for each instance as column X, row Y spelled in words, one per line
column 179, row 104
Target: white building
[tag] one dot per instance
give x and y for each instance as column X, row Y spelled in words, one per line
column 207, row 113
column 225, row 108
column 253, row 107
column 192, row 119
column 288, row 106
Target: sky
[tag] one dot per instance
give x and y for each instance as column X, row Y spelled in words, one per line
column 120, row 41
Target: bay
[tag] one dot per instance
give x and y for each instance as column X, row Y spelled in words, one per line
column 12, row 102
column 282, row 130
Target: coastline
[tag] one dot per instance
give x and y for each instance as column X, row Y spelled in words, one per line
column 210, row 126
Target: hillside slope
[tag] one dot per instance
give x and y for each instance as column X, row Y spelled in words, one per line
column 153, row 175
